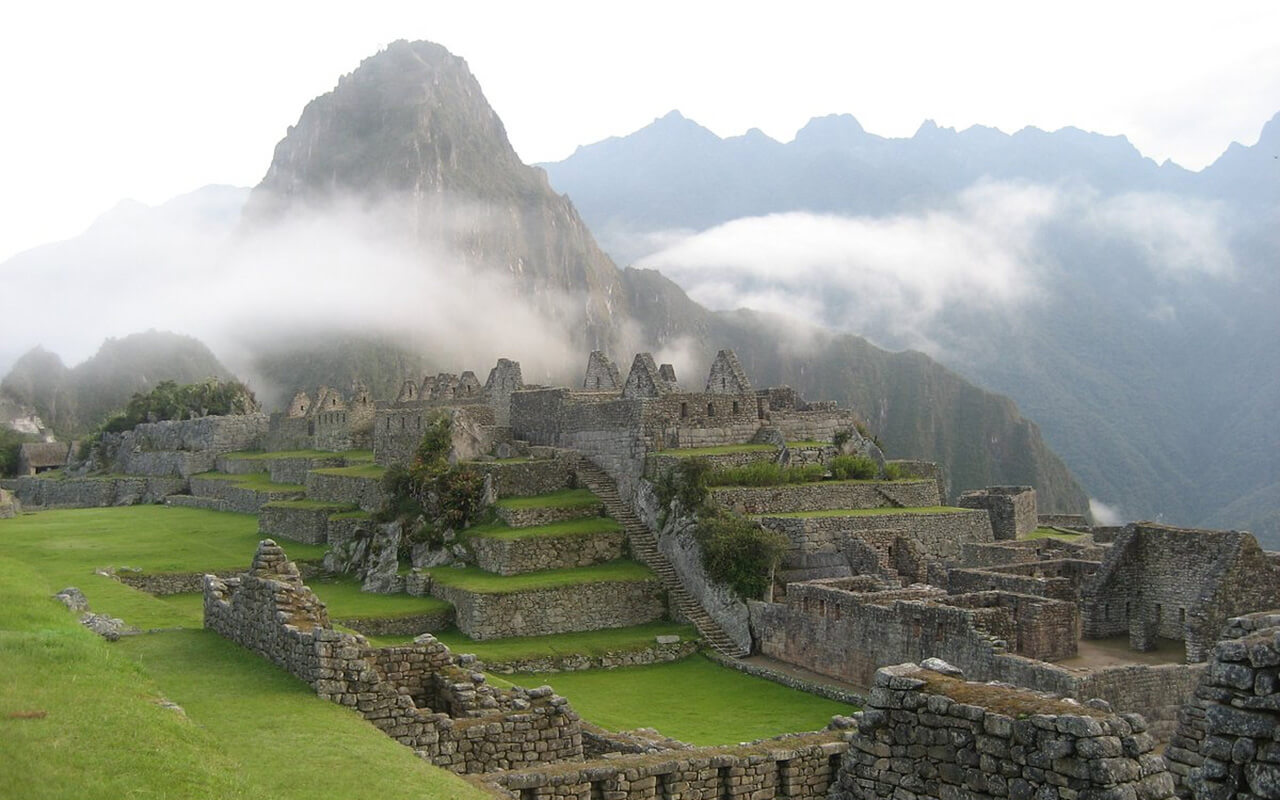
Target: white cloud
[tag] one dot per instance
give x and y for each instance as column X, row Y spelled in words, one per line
column 1104, row 514
column 1179, row 237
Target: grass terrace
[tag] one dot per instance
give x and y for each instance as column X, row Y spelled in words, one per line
column 867, row 512
column 715, row 704
column 344, row 600
column 720, row 450
column 66, row 547
column 590, row 643
column 565, row 498
column 512, row 460
column 1054, row 533
column 312, row 505
column 375, row 471
column 473, row 579
column 258, row 455
column 257, row 481
column 587, row 526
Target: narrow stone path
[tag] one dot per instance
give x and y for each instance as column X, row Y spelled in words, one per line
column 644, row 545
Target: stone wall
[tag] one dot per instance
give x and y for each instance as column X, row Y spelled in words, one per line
column 309, row 523
column 546, row 515
column 398, row 428
column 10, row 506
column 1069, row 521
column 473, row 727
column 1228, row 738
column 365, row 493
column 940, row 535
column 1012, row 509
column 1159, row 581
column 560, row 609
column 406, row 625
column 788, row 767
column 1059, row 579
column 927, row 735
column 526, row 478
column 656, row 653
column 181, row 447
column 824, row 495
column 531, row 554
column 36, row 492
column 241, row 499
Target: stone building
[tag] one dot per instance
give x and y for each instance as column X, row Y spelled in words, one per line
column 37, row 457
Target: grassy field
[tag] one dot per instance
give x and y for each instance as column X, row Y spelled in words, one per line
column 65, row 547
column 866, row 512
column 592, row 643
column 80, row 717
column 477, row 580
column 356, row 471
column 714, row 704
column 720, row 450
column 258, row 481
column 575, row 527
column 349, row 455
column 565, row 498
column 1053, row 533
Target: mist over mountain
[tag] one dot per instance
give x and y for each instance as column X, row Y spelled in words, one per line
column 1124, row 305
column 397, row 232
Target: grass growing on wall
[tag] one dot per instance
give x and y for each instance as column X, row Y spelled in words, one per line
column 349, row 455
column 343, row 598
column 586, row 526
column 373, row 471
column 867, row 512
column 1053, row 533
column 565, row 498
column 65, row 547
column 258, row 481
column 476, row 580
column 694, row 700
column 591, row 643
column 719, row 450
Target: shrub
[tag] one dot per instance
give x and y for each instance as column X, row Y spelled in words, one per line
column 856, row 467
column 765, row 473
column 738, row 552
column 895, row 472
column 168, row 401
column 841, row 439
column 444, row 496
column 686, row 483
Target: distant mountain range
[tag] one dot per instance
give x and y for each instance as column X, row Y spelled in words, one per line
column 1126, row 306
column 396, row 231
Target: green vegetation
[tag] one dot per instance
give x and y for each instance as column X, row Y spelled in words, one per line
column 715, row 704
column 686, row 485
column 258, row 455
column 565, row 498
column 351, row 515
column 443, row 496
column 313, row 505
column 854, row 467
column 476, row 580
column 168, row 400
column 867, row 512
column 896, row 472
column 257, row 481
column 267, row 731
column 375, row 471
column 765, row 473
column 1053, row 533
column 739, row 552
column 720, row 450
column 65, row 547
column 586, row 526
column 590, row 643
column 344, row 600
column 10, row 443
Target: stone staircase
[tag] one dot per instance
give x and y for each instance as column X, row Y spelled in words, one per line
column 644, row 546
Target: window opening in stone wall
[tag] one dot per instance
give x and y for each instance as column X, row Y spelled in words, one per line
column 736, row 409
column 1159, row 614
column 722, row 778
column 597, row 790
column 1182, row 616
column 664, row 786
column 1127, row 611
column 530, row 793
column 723, row 383
column 711, row 409
column 784, row 779
column 402, row 423
column 684, row 411
column 760, row 407
column 833, row 768
column 597, row 386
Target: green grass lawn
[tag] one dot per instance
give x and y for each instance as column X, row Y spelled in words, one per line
column 344, row 600
column 565, row 498
column 65, row 547
column 720, row 450
column 357, row 471
column 316, row 505
column 575, row 527
column 1053, row 533
column 867, row 512
column 715, row 704
column 476, row 580
column 349, row 455
column 257, row 481
column 591, row 643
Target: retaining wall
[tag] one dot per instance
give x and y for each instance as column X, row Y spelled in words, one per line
column 824, row 495
column 561, row 609
column 366, row 493
column 534, row 553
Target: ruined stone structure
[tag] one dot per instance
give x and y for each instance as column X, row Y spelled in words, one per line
column 928, row 735
column 37, row 457
column 421, row 695
column 1012, row 509
column 10, row 506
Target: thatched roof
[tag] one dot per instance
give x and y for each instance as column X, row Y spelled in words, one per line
column 39, row 455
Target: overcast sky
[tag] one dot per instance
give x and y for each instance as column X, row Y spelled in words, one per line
column 105, row 101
